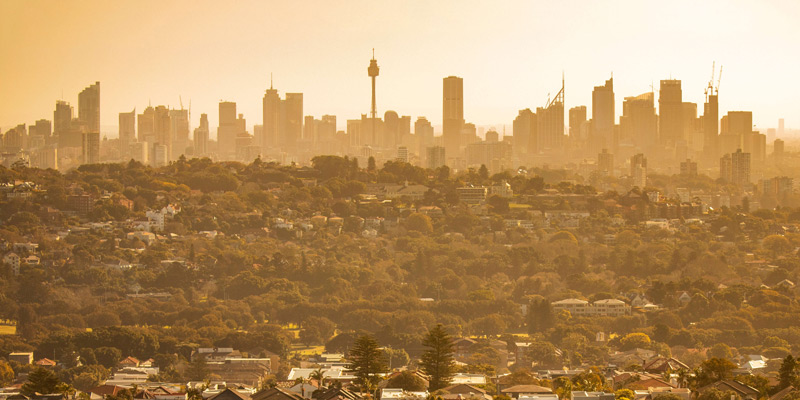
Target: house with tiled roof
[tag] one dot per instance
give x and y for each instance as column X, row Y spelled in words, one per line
column 745, row 392
column 660, row 365
column 46, row 362
column 276, row 394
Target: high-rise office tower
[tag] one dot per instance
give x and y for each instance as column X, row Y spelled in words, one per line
column 43, row 128
column 89, row 107
column 692, row 134
column 326, row 130
column 391, row 128
column 778, row 147
column 524, row 132
column 402, row 154
column 549, row 133
column 638, row 124
column 780, row 127
column 62, row 117
column 423, row 132
column 577, row 117
column 226, row 132
column 271, row 105
column 91, row 147
column 670, row 108
column 603, row 116
column 127, row 132
column 735, row 167
column 146, row 122
column 201, row 134
column 435, row 156
column 605, row 163
column 711, row 125
column 639, row 170
column 179, row 120
column 404, row 130
column 453, row 114
column 15, row 138
column 162, row 133
column 293, row 125
column 740, row 167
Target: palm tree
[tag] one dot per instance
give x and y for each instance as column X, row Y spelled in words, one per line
column 319, row 376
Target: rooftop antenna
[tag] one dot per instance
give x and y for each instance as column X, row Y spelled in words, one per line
column 270, row 81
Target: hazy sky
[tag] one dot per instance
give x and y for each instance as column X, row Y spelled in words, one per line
column 510, row 54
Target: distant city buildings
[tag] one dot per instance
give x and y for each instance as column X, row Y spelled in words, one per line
column 666, row 136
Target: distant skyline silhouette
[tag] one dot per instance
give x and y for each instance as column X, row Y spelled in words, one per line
column 511, row 55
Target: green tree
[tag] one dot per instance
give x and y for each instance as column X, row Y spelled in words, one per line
column 635, row 340
column 366, row 362
column 788, row 372
column 437, row 360
column 483, row 172
column 720, row 350
column 419, row 222
column 624, row 394
column 41, row 380
column 6, row 374
column 713, row 370
column 408, row 381
column 776, row 244
column 197, row 370
column 398, row 358
column 667, row 396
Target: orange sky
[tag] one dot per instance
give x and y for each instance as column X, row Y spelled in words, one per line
column 510, row 54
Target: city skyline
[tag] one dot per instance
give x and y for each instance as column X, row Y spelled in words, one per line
column 497, row 84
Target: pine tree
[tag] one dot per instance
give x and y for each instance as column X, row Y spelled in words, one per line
column 437, row 361
column 788, row 371
column 367, row 361
column 42, row 381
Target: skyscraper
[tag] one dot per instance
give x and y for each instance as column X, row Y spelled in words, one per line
column 638, row 123
column 435, row 156
column 127, row 132
column 549, row 133
column 179, row 123
column 162, row 135
column 605, row 163
column 639, row 170
column 271, row 113
column 293, row 125
column 577, row 117
column 603, row 116
column 91, row 147
column 670, row 108
column 146, row 122
column 89, row 107
column 423, row 131
column 780, row 127
column 711, row 125
column 62, row 117
column 226, row 132
column 200, row 138
column 740, row 167
column 524, row 132
column 391, row 127
column 453, row 114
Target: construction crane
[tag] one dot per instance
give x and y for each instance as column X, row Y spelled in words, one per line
column 719, row 79
column 710, row 87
